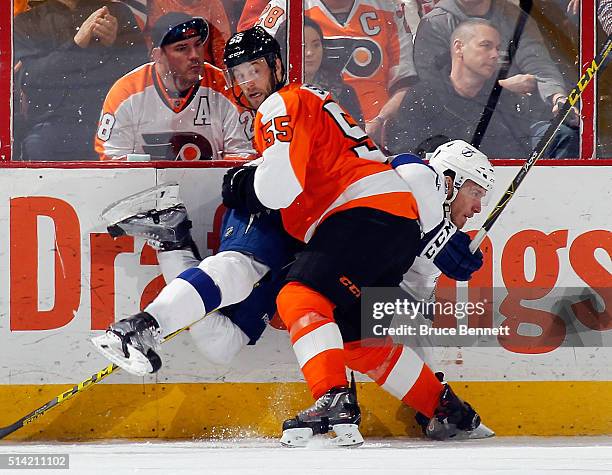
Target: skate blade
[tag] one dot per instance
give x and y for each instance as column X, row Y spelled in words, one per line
column 159, row 197
column 481, row 432
column 346, row 435
column 109, row 345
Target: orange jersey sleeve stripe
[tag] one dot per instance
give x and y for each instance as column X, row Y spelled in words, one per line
column 132, row 83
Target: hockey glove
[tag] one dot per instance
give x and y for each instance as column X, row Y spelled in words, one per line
column 238, row 190
column 448, row 248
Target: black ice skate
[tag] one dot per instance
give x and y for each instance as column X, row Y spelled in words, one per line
column 157, row 215
column 453, row 419
column 336, row 411
column 131, row 343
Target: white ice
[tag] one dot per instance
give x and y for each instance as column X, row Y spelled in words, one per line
column 522, row 455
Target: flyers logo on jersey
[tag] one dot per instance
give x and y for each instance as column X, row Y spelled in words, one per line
column 177, row 146
column 359, row 57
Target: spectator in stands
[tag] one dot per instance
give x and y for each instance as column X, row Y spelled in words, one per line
column 211, row 10
column 454, row 106
column 370, row 41
column 604, row 13
column 64, row 75
column 177, row 107
column 532, row 67
column 320, row 72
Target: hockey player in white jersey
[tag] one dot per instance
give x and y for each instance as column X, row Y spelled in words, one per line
column 468, row 177
column 176, row 107
column 235, row 288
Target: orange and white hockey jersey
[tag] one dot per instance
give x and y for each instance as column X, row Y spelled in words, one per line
column 317, row 161
column 139, row 117
column 373, row 46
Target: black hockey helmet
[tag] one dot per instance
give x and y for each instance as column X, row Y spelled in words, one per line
column 250, row 45
column 177, row 26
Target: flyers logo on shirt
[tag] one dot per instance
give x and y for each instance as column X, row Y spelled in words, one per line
column 177, row 146
column 359, row 57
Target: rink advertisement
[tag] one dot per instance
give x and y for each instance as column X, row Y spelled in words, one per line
column 545, row 286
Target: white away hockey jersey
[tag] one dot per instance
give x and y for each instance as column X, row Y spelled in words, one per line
column 138, row 116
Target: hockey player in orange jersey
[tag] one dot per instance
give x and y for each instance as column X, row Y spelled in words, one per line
column 177, row 107
column 361, row 224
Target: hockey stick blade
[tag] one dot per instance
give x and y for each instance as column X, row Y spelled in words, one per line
column 78, row 388
column 597, row 65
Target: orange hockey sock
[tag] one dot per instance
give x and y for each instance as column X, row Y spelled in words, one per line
column 398, row 370
column 316, row 338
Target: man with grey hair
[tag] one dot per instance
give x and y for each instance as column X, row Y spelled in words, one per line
column 532, row 69
column 453, row 107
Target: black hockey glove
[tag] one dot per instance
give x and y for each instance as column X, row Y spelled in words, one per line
column 448, row 248
column 238, row 190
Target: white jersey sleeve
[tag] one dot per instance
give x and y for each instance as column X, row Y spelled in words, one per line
column 273, row 16
column 238, row 133
column 118, row 126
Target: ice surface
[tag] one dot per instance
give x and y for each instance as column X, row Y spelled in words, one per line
column 527, row 455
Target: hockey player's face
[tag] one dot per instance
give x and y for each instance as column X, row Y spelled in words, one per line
column 481, row 51
column 183, row 60
column 467, row 203
column 255, row 80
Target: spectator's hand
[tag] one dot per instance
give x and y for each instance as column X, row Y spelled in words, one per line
column 105, row 28
column 374, row 128
column 573, row 7
column 520, row 83
column 573, row 118
column 85, row 33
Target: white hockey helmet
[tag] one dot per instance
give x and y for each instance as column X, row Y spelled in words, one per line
column 466, row 162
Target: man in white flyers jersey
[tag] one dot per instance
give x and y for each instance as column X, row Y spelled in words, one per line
column 176, row 107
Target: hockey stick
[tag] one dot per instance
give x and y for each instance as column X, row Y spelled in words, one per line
column 74, row 390
column 598, row 64
column 487, row 113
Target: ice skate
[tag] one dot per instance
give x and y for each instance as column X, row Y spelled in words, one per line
column 131, row 343
column 453, row 419
column 336, row 411
column 157, row 215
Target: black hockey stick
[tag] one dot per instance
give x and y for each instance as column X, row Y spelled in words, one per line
column 487, row 113
column 598, row 64
column 74, row 390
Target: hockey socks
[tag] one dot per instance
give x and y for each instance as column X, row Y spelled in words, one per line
column 315, row 336
column 398, row 370
column 185, row 300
